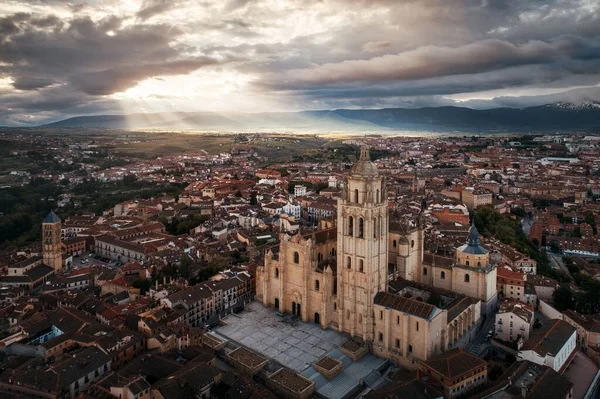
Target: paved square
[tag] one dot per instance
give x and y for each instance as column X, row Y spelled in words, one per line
column 296, row 347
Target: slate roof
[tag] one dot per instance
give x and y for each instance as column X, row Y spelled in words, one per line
column 473, row 245
column 51, row 218
column 407, row 305
column 550, row 338
column 588, row 322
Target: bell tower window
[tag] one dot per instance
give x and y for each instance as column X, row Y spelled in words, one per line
column 350, row 226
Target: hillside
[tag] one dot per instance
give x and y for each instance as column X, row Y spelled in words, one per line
column 551, row 117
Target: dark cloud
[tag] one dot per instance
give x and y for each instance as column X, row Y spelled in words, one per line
column 431, row 61
column 115, row 80
column 95, row 57
column 150, row 8
column 309, row 53
column 232, row 5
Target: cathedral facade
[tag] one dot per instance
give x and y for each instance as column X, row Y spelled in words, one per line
column 339, row 278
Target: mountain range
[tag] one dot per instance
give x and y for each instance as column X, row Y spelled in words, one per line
column 551, row 117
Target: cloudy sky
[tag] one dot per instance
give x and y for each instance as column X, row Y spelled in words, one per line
column 62, row 58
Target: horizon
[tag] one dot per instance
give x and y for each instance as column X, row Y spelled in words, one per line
column 62, row 60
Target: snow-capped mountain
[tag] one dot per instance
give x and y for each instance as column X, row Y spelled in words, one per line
column 585, row 106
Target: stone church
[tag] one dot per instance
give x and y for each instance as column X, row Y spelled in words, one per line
column 339, row 278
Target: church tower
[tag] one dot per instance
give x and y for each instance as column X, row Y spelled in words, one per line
column 361, row 247
column 473, row 274
column 51, row 244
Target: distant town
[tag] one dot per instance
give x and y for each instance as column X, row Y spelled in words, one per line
column 164, row 265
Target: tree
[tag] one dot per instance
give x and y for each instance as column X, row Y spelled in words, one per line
column 219, row 262
column 184, row 266
column 554, row 247
column 129, row 180
column 563, row 298
column 154, row 275
column 591, row 220
column 143, row 284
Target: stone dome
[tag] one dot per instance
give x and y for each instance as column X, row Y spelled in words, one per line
column 364, row 166
column 473, row 245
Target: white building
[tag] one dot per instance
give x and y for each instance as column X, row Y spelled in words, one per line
column 292, row 209
column 514, row 320
column 299, row 191
column 526, row 265
column 551, row 345
column 332, row 182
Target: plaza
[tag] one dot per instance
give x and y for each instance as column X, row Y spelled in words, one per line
column 298, row 345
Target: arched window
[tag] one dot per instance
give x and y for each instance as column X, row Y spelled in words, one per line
column 350, row 226
column 296, row 257
column 478, row 263
column 467, row 278
column 319, row 257
column 316, row 285
column 335, row 306
column 361, row 228
column 412, row 243
column 377, row 195
column 442, row 275
column 375, row 227
column 356, row 196
column 276, row 272
column 394, row 244
column 417, row 326
column 424, row 271
column 467, row 263
column 349, row 262
column 361, row 265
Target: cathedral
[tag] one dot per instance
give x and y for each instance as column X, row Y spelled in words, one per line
column 367, row 277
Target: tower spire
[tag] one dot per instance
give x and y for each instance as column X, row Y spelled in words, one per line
column 364, row 153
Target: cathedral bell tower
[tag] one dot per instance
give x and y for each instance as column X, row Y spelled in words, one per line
column 362, row 247
column 51, row 243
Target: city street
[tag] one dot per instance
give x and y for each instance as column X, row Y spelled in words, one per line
column 479, row 346
column 557, row 263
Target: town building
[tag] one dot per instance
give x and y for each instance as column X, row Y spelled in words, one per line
column 588, row 330
column 525, row 379
column 551, row 345
column 514, row 321
column 456, row 372
column 474, row 198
